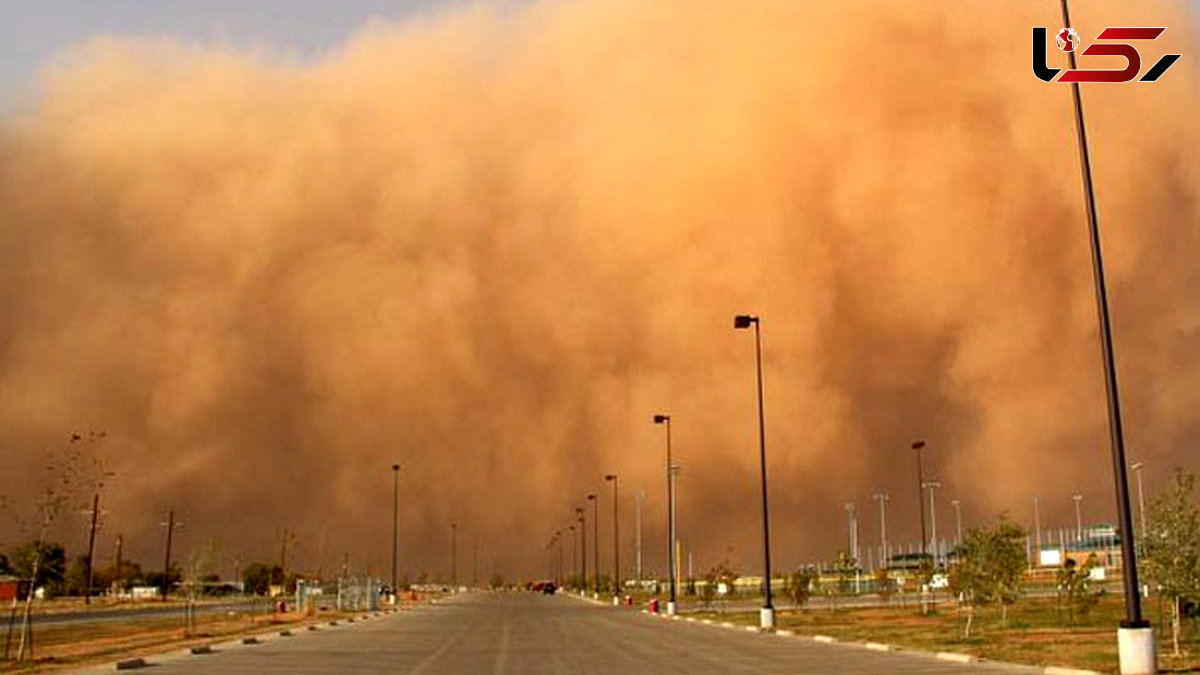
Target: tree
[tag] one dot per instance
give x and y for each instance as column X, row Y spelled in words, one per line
column 844, row 569
column 799, row 585
column 721, row 573
column 1171, row 546
column 885, row 585
column 258, row 578
column 50, row 560
column 1075, row 584
column 989, row 568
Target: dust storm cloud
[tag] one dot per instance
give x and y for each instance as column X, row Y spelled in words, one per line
column 489, row 243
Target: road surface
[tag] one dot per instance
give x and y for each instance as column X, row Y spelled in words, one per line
column 525, row 633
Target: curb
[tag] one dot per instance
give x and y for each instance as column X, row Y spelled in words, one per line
column 955, row 657
column 1059, row 670
column 130, row 664
column 878, row 647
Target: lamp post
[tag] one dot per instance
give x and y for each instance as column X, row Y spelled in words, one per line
column 1078, row 499
column 1037, row 525
column 852, row 525
column 666, row 419
column 582, row 518
column 957, row 522
column 641, row 495
column 574, row 551
column 453, row 556
column 395, row 522
column 882, row 498
column 1135, row 637
column 595, row 500
column 918, row 446
column 1137, row 471
column 767, row 614
column 616, row 541
column 931, row 486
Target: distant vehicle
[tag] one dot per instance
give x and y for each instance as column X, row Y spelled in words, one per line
column 549, row 588
column 546, row 587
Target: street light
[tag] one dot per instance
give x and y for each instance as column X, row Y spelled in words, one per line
column 574, row 551
column 595, row 542
column 616, row 540
column 582, row 518
column 882, row 498
column 395, row 520
column 931, row 486
column 1078, row 518
column 767, row 614
column 1137, row 470
column 666, row 419
column 917, row 446
column 1135, row 637
column 453, row 556
column 641, row 495
column 852, row 525
column 957, row 522
column 170, row 525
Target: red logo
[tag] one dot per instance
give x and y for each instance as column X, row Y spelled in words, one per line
column 1068, row 40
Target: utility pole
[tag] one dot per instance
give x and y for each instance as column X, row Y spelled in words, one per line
column 167, row 559
column 120, row 564
column 87, row 588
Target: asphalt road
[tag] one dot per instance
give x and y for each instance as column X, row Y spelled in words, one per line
column 525, row 633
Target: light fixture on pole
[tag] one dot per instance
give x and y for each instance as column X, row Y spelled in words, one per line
column 1135, row 637
column 616, row 541
column 767, row 613
column 671, row 606
column 882, row 498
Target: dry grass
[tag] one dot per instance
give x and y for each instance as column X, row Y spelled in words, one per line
column 1036, row 632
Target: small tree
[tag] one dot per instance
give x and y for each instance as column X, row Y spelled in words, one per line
column 844, row 569
column 721, row 573
column 799, row 585
column 1075, row 586
column 885, row 585
column 989, row 568
column 1171, row 546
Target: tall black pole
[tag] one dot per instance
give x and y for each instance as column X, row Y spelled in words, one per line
column 453, row 556
column 87, row 586
column 582, row 546
column 666, row 419
column 595, row 500
column 1133, row 605
column 167, row 559
column 917, row 446
column 395, row 520
column 762, row 457
column 745, row 321
column 616, row 537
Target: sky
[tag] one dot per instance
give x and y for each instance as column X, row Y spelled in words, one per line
column 489, row 242
column 34, row 32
